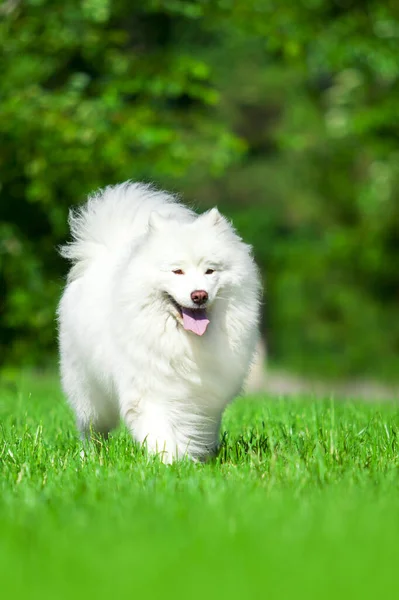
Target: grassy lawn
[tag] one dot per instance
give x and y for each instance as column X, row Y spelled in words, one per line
column 303, row 501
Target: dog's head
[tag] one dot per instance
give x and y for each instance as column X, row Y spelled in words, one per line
column 197, row 263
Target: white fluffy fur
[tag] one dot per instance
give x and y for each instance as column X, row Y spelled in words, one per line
column 124, row 352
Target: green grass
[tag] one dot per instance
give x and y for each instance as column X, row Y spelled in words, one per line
column 303, row 501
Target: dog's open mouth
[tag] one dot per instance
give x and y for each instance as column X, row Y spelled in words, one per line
column 194, row 319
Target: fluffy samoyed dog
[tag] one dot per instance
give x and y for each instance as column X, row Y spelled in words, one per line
column 158, row 322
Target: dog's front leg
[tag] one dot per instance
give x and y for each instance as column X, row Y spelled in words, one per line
column 148, row 422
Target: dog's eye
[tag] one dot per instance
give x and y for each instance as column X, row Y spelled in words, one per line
column 209, row 271
column 178, row 272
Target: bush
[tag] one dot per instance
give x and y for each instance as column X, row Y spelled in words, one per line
column 283, row 115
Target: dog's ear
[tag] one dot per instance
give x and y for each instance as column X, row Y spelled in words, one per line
column 157, row 222
column 213, row 217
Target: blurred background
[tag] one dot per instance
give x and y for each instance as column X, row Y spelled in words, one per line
column 284, row 114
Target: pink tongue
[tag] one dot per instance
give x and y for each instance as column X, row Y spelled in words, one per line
column 195, row 320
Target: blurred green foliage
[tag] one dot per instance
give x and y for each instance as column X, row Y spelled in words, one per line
column 284, row 114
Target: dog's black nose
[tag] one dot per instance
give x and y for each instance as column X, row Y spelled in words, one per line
column 199, row 297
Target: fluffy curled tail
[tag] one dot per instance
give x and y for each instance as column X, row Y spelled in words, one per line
column 88, row 227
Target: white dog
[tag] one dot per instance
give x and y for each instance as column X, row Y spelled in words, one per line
column 158, row 322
